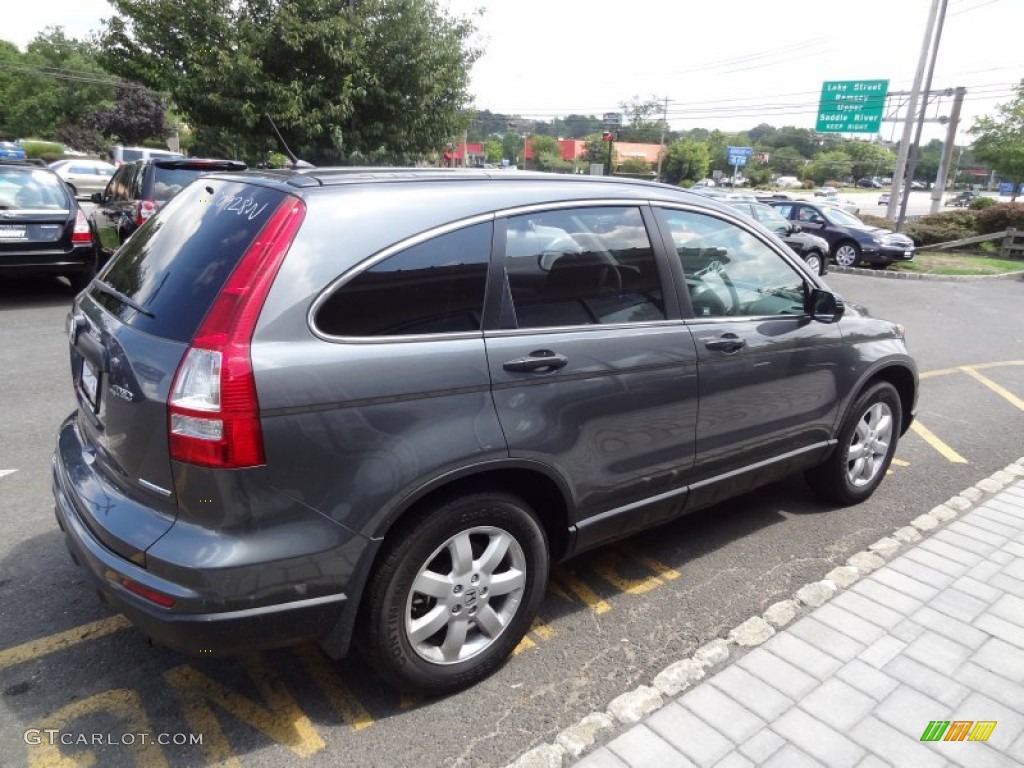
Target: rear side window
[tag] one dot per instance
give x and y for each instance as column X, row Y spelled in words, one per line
column 436, row 286
column 174, row 265
column 167, row 182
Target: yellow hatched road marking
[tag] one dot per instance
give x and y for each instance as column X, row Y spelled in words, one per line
column 664, row 571
column 568, row 581
column 524, row 645
column 1001, row 391
column 61, row 640
column 343, row 701
column 605, row 566
column 960, row 369
column 933, row 440
column 901, row 463
column 541, row 629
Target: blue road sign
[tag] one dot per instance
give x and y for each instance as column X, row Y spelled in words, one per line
column 738, row 155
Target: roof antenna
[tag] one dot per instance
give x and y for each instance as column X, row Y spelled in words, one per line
column 296, row 163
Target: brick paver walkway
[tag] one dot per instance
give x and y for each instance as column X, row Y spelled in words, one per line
column 937, row 634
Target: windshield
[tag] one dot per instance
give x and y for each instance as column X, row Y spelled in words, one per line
column 772, row 219
column 839, row 216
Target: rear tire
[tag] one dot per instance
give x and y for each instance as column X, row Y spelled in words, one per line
column 454, row 592
column 867, row 442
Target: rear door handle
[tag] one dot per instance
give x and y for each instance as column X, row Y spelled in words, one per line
column 541, row 360
column 728, row 342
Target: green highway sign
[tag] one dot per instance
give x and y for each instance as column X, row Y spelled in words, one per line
column 851, row 106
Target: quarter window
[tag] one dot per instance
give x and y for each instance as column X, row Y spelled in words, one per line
column 730, row 272
column 434, row 287
column 582, row 266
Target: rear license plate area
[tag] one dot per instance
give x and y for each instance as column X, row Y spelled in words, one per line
column 8, row 232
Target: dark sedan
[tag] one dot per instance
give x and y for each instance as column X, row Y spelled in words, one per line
column 42, row 229
column 851, row 240
column 812, row 249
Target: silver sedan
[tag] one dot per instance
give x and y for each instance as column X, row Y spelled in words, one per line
column 84, row 176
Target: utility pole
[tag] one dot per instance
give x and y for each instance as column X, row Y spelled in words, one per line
column 664, row 122
column 908, row 126
column 916, row 146
column 947, row 150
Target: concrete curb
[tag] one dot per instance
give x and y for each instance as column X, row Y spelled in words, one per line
column 628, row 708
column 885, row 273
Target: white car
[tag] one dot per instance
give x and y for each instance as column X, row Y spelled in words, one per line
column 84, row 176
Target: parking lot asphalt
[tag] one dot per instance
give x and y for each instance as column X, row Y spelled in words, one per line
column 612, row 618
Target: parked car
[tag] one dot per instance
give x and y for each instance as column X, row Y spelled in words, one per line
column 812, row 249
column 788, row 182
column 85, row 177
column 120, row 155
column 851, row 240
column 42, row 229
column 339, row 404
column 11, row 151
column 869, row 183
column 137, row 190
column 962, row 199
column 826, row 192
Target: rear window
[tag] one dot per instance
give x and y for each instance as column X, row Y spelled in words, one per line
column 175, row 264
column 127, row 155
column 25, row 188
column 167, row 182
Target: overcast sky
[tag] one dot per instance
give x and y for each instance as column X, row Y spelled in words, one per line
column 728, row 65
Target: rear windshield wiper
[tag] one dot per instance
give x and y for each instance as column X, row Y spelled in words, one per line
column 112, row 291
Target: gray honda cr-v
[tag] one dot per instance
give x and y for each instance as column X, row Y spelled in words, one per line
column 374, row 407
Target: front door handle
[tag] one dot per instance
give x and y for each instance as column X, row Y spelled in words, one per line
column 541, row 360
column 728, row 342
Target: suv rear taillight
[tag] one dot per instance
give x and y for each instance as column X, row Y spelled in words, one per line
column 213, row 412
column 144, row 209
column 81, row 232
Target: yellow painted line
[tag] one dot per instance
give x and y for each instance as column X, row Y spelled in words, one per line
column 960, row 369
column 933, row 440
column 280, row 718
column 664, row 571
column 1001, row 391
column 901, row 463
column 573, row 584
column 605, row 566
column 35, row 649
column 341, row 699
column 524, row 645
column 541, row 629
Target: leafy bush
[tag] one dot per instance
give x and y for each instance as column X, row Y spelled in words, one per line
column 981, row 203
column 38, row 148
column 942, row 227
column 1001, row 216
column 877, row 221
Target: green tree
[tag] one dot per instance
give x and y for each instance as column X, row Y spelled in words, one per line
column 493, row 151
column 544, row 151
column 999, row 141
column 868, row 159
column 578, row 126
column 828, row 166
column 596, row 151
column 686, row 160
column 58, row 81
column 512, row 147
column 642, row 121
column 635, row 166
column 787, row 161
column 376, row 80
column 136, row 116
column 801, row 139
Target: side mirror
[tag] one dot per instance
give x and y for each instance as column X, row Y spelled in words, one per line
column 97, row 197
column 825, row 306
column 794, row 228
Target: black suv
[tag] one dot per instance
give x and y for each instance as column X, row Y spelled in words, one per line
column 138, row 189
column 851, row 240
column 42, row 229
column 366, row 406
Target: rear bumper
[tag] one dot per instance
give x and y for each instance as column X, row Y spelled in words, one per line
column 199, row 622
column 55, row 261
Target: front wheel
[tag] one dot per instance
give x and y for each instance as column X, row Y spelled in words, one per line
column 847, row 254
column 867, row 442
column 816, row 262
column 454, row 593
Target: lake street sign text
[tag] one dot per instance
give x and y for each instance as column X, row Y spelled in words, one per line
column 851, row 106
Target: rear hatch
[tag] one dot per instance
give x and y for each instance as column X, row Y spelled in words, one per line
column 130, row 329
column 36, row 213
column 173, row 175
